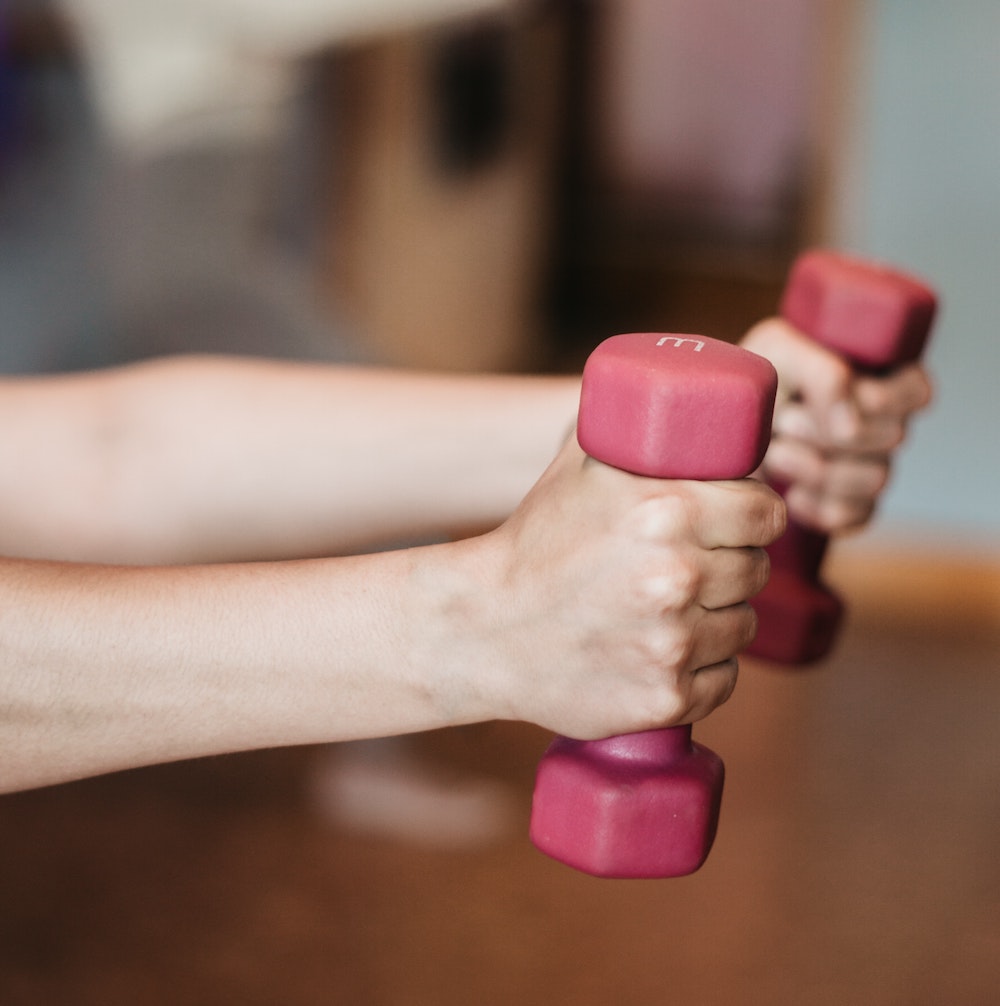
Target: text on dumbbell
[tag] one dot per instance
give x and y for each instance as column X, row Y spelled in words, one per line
column 678, row 342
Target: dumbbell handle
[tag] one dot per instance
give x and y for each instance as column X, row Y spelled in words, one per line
column 877, row 319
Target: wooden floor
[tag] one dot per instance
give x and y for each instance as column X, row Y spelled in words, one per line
column 857, row 863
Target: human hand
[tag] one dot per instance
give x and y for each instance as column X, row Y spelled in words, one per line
column 620, row 602
column 834, row 432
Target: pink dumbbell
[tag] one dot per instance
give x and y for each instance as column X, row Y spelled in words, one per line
column 877, row 319
column 674, row 407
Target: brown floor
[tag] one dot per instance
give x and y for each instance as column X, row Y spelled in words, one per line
column 856, row 864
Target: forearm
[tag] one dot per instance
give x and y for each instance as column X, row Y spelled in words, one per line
column 105, row 668
column 211, row 459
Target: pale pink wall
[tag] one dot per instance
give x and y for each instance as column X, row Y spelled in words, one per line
column 706, row 101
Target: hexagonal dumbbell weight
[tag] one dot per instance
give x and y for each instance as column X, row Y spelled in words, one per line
column 673, row 407
column 878, row 319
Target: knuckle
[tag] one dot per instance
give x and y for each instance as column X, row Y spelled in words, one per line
column 674, row 588
column 668, row 650
column 666, row 705
column 664, row 593
column 663, row 517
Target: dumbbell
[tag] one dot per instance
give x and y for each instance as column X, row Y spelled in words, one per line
column 673, row 407
column 878, row 319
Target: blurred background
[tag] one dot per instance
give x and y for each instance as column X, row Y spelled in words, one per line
column 498, row 185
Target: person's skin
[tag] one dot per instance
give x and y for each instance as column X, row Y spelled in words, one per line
column 208, row 459
column 834, row 433
column 605, row 603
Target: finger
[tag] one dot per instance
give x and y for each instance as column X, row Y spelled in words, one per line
column 711, row 686
column 829, row 514
column 794, row 463
column 872, row 433
column 898, row 394
column 732, row 576
column 842, row 426
column 736, row 514
column 853, row 478
column 721, row 635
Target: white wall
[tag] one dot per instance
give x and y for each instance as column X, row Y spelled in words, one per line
column 922, row 189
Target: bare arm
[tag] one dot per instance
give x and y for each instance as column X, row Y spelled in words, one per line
column 213, row 459
column 606, row 603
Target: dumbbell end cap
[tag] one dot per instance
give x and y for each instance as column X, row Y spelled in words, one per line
column 676, row 406
column 643, row 806
column 876, row 316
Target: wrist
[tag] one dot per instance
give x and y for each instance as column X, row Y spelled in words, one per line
column 447, row 634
